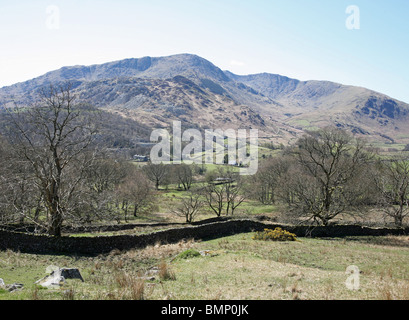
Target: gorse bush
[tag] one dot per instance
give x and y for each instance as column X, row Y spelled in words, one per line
column 277, row 234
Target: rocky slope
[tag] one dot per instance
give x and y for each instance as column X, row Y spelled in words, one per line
column 156, row 91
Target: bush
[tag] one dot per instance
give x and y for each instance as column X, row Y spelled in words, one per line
column 190, row 253
column 277, row 234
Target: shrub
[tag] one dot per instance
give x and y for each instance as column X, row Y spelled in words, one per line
column 277, row 234
column 190, row 253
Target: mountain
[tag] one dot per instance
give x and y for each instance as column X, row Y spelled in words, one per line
column 185, row 87
column 312, row 104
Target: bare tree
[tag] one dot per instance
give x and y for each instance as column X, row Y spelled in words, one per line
column 183, row 175
column 190, row 206
column 234, row 195
column 137, row 191
column 267, row 183
column 97, row 191
column 392, row 182
column 157, row 173
column 106, row 173
column 16, row 187
column 329, row 160
column 53, row 137
column 214, row 194
column 224, row 191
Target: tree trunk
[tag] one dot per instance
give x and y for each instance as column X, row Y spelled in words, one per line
column 54, row 228
column 53, row 200
column 399, row 218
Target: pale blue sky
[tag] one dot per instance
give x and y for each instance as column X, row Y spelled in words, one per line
column 302, row 39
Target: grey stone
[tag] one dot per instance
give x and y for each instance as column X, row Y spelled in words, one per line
column 57, row 277
column 152, row 272
column 14, row 287
column 71, row 273
column 147, row 278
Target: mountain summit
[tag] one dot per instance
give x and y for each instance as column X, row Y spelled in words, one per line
column 186, row 87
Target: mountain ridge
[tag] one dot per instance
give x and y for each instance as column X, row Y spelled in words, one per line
column 190, row 88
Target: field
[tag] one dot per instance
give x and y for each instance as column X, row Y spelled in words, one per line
column 310, row 269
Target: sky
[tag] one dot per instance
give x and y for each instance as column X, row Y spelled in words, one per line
column 366, row 46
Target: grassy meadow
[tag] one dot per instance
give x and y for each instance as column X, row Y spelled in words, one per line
column 235, row 268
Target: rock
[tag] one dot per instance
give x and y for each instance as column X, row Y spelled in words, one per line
column 71, row 274
column 57, row 277
column 52, row 280
column 150, row 275
column 14, row 287
column 11, row 287
column 147, row 278
column 152, row 272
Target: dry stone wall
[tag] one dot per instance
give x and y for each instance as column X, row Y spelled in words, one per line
column 42, row 244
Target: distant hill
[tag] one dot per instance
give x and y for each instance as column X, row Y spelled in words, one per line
column 185, row 87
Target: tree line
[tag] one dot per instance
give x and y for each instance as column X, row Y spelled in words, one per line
column 55, row 166
column 56, row 169
column 329, row 172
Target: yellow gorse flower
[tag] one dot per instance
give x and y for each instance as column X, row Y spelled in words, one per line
column 278, row 234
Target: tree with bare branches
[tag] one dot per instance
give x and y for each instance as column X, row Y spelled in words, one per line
column 328, row 162
column 53, row 137
column 136, row 190
column 183, row 175
column 392, row 182
column 157, row 173
column 266, row 184
column 190, row 206
column 224, row 191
